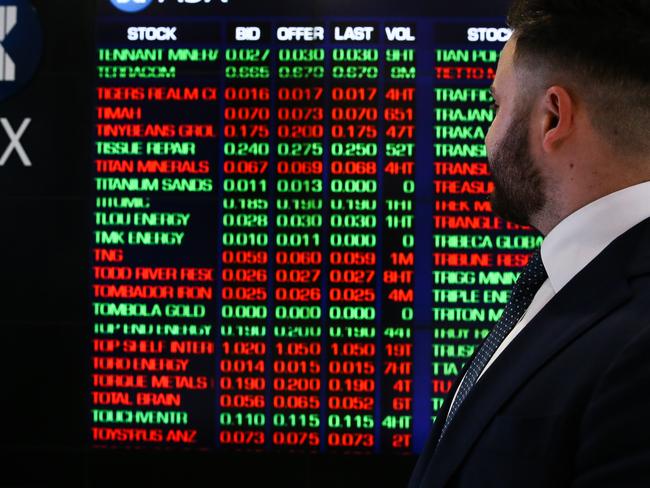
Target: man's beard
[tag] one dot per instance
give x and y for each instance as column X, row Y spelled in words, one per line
column 518, row 185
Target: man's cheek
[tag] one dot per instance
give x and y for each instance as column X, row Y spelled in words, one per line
column 490, row 150
column 489, row 138
column 492, row 138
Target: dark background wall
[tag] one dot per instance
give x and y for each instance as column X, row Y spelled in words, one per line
column 43, row 215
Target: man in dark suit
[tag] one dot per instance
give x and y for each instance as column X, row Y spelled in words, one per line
column 559, row 393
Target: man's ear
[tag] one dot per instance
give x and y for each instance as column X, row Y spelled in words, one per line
column 558, row 117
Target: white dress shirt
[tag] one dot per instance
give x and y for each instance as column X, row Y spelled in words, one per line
column 577, row 240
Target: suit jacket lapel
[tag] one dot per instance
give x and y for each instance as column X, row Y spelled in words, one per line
column 599, row 288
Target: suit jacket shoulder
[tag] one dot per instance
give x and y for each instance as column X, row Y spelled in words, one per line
column 566, row 404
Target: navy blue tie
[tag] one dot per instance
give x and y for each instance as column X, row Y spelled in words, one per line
column 529, row 282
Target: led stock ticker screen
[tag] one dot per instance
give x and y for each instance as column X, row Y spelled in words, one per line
column 293, row 248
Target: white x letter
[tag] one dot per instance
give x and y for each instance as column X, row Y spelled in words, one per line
column 14, row 142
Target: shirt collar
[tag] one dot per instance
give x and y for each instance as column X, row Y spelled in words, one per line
column 581, row 236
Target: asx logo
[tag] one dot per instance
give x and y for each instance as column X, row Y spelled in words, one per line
column 20, row 52
column 138, row 5
column 20, row 45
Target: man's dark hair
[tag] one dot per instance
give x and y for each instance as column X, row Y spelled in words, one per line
column 601, row 50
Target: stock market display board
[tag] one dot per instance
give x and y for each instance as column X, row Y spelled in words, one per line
column 293, row 246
